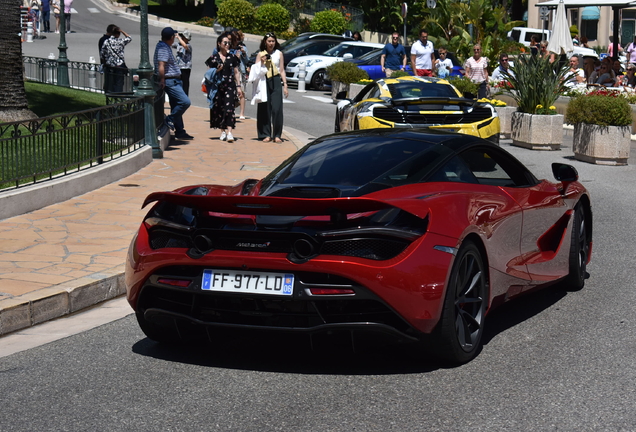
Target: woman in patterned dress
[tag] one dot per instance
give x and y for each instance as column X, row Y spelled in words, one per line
column 229, row 87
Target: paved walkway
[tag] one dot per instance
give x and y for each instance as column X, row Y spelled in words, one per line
column 53, row 260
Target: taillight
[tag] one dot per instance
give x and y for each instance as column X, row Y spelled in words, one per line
column 181, row 283
column 331, row 291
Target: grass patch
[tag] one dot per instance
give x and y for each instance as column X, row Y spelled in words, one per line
column 47, row 99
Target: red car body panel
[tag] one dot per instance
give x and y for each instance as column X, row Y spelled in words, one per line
column 507, row 220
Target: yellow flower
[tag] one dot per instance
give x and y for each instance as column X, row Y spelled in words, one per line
column 539, row 106
column 553, row 107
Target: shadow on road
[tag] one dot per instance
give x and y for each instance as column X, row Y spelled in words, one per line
column 335, row 354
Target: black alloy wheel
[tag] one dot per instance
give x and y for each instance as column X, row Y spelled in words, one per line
column 579, row 251
column 318, row 80
column 459, row 332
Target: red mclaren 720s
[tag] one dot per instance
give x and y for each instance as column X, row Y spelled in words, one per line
column 417, row 234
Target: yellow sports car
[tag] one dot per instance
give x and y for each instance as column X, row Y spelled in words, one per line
column 409, row 102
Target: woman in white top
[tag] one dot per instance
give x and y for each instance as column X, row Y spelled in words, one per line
column 269, row 114
column 477, row 70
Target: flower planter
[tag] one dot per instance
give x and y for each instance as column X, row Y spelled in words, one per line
column 536, row 131
column 601, row 145
column 354, row 89
column 337, row 87
column 505, row 119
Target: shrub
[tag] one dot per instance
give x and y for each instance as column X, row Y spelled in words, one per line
column 346, row 72
column 329, row 21
column 206, row 22
column 465, row 86
column 603, row 108
column 399, row 73
column 271, row 17
column 286, row 35
column 537, row 82
column 236, row 13
column 302, row 25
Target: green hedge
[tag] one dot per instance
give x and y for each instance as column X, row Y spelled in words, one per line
column 346, row 72
column 600, row 110
column 236, row 13
column 328, row 22
column 271, row 17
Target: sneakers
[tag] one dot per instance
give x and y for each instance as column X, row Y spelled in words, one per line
column 183, row 136
column 223, row 136
column 242, row 118
column 230, row 138
column 168, row 121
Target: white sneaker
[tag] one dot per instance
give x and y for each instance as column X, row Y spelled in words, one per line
column 223, row 136
column 230, row 138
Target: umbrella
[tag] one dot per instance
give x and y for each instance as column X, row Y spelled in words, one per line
column 561, row 40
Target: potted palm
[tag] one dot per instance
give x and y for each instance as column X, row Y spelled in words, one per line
column 535, row 87
column 602, row 126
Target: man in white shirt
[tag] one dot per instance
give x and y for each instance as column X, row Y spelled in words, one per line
column 423, row 56
column 575, row 75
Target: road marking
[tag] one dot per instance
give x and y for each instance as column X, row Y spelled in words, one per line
column 320, row 98
column 93, row 10
column 287, row 101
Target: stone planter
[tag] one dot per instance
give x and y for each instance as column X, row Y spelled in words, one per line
column 337, row 87
column 505, row 119
column 601, row 145
column 354, row 89
column 537, row 132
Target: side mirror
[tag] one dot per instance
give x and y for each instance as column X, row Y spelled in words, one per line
column 341, row 95
column 347, row 56
column 564, row 172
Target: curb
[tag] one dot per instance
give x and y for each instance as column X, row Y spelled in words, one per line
column 63, row 299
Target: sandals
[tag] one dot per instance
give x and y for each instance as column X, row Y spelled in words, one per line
column 268, row 139
column 278, row 140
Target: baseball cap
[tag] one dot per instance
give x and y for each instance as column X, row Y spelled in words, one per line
column 167, row 32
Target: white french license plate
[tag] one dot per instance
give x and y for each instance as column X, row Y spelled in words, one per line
column 248, row 282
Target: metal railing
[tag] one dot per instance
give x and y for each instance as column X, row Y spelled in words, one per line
column 48, row 147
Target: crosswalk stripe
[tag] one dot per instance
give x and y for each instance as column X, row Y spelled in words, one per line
column 93, row 10
column 320, row 98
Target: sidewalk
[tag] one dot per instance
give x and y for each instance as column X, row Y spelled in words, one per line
column 69, row 256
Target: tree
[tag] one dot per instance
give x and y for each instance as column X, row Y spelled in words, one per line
column 13, row 101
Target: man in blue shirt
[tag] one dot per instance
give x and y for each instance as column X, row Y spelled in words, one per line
column 393, row 56
column 169, row 78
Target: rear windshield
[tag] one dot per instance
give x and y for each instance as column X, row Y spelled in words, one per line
column 354, row 162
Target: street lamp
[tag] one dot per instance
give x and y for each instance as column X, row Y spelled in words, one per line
column 145, row 87
column 62, row 61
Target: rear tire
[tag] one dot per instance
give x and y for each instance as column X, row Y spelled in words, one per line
column 457, row 338
column 579, row 251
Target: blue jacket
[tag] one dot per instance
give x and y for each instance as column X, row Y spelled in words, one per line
column 211, row 84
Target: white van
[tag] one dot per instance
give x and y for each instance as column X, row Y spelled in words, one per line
column 524, row 34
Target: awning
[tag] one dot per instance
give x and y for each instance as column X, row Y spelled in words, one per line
column 591, row 13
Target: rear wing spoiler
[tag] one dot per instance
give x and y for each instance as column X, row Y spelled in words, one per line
column 265, row 205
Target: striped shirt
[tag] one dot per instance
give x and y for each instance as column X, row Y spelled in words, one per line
column 478, row 69
column 163, row 53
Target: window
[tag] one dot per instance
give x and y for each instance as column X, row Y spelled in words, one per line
column 589, row 29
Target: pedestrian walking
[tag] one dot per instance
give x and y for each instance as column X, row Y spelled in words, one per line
column 184, row 58
column 240, row 51
column 45, row 11
column 112, row 52
column 168, row 77
column 269, row 114
column 56, row 14
column 423, row 56
column 393, row 56
column 68, row 6
column 476, row 68
column 631, row 51
column 229, row 89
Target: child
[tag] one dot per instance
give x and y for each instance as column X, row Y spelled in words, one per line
column 443, row 65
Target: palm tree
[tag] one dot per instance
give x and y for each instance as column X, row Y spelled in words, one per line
column 13, row 101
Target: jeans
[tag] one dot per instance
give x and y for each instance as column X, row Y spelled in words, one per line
column 179, row 102
column 46, row 16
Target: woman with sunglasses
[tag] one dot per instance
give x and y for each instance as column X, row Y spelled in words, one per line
column 269, row 114
column 229, row 87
